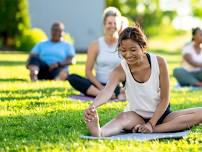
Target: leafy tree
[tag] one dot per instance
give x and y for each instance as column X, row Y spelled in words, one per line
column 139, row 11
column 115, row 3
column 146, row 12
column 14, row 19
column 196, row 8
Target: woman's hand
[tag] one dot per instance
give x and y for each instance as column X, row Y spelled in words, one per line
column 101, row 86
column 143, row 128
column 53, row 66
column 90, row 114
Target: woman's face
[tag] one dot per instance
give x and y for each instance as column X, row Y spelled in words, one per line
column 131, row 51
column 198, row 36
column 112, row 25
column 56, row 32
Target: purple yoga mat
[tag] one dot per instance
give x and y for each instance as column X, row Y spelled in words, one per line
column 86, row 98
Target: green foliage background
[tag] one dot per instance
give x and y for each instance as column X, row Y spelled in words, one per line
column 152, row 19
column 14, row 19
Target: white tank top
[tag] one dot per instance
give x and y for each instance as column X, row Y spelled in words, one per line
column 197, row 57
column 143, row 98
column 106, row 60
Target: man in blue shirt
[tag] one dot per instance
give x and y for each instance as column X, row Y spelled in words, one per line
column 50, row 59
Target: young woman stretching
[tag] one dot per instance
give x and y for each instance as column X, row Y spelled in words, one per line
column 147, row 91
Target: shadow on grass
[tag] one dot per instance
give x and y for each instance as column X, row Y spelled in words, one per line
column 80, row 62
column 7, row 51
column 46, row 90
column 165, row 52
column 19, row 98
column 13, row 80
column 26, row 94
column 175, row 107
column 12, row 63
column 53, row 127
column 50, row 128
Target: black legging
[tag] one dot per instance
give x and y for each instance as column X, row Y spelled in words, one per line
column 82, row 84
column 44, row 69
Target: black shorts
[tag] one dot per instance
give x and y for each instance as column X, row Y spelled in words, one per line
column 168, row 111
column 44, row 73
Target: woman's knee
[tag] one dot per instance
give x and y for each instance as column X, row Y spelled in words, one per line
column 128, row 119
column 74, row 80
column 72, row 77
column 177, row 72
column 199, row 114
column 123, row 115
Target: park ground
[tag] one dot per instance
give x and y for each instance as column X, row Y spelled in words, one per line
column 38, row 116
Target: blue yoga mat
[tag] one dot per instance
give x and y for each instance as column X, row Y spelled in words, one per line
column 142, row 136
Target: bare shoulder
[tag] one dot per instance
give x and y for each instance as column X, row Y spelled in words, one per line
column 119, row 68
column 93, row 47
column 161, row 61
column 119, row 73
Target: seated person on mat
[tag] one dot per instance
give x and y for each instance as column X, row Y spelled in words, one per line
column 101, row 54
column 147, row 92
column 50, row 59
column 190, row 74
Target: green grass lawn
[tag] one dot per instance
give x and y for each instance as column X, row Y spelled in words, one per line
column 38, row 116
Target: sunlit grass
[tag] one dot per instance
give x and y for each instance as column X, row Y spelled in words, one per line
column 38, row 116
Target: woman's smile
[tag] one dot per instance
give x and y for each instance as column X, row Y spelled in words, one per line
column 133, row 58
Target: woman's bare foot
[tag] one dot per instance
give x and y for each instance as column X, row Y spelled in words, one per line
column 93, row 125
column 198, row 84
column 143, row 128
column 34, row 70
column 122, row 95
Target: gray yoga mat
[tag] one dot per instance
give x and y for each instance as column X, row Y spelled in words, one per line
column 178, row 87
column 142, row 136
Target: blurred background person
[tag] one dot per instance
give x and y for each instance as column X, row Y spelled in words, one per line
column 102, row 56
column 50, row 59
column 190, row 74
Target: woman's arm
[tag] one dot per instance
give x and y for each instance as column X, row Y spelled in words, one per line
column 187, row 57
column 68, row 61
column 115, row 78
column 164, row 94
column 91, row 59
